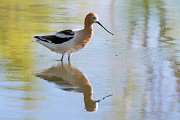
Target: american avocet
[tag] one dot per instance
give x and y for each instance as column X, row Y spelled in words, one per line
column 69, row 41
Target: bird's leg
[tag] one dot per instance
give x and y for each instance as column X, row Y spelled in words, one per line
column 62, row 64
column 69, row 63
column 62, row 57
column 69, row 57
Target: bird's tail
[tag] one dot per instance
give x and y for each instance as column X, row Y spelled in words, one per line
column 38, row 37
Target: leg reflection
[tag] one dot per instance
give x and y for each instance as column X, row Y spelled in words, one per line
column 69, row 78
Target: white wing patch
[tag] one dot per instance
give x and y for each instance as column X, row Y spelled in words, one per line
column 61, row 35
column 45, row 40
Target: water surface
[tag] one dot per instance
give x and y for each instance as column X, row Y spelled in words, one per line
column 139, row 65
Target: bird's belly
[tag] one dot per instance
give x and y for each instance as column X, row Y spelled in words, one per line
column 64, row 47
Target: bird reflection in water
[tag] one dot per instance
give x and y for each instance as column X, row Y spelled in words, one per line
column 69, row 78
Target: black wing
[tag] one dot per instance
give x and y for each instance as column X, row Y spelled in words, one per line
column 58, row 38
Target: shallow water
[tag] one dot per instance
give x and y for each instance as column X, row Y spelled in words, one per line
column 139, row 66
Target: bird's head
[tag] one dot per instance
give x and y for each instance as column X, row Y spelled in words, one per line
column 93, row 18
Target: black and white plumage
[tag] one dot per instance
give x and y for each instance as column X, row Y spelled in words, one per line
column 61, row 42
column 58, row 38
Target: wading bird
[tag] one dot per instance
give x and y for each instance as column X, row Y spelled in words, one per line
column 70, row 41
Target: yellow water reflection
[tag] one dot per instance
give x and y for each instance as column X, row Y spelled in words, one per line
column 19, row 23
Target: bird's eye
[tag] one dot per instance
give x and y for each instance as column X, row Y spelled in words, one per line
column 94, row 17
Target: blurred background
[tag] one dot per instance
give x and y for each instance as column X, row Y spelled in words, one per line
column 139, row 65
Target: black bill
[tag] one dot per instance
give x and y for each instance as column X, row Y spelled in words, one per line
column 104, row 27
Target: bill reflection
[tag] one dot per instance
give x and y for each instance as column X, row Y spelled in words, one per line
column 69, row 78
